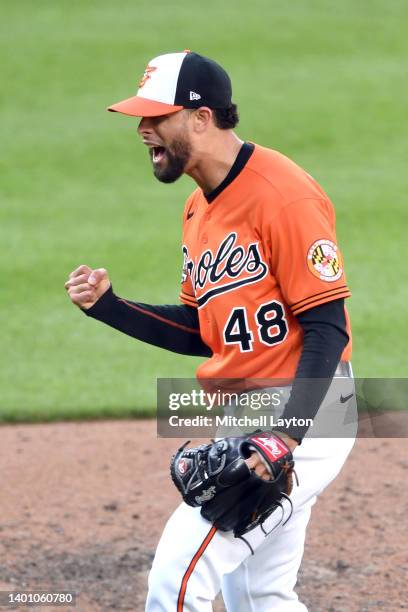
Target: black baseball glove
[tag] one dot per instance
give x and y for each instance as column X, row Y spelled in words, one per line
column 217, row 478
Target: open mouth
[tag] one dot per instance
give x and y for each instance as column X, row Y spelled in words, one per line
column 157, row 154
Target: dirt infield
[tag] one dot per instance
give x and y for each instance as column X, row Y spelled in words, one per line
column 83, row 505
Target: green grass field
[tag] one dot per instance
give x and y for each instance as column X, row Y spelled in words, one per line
column 324, row 83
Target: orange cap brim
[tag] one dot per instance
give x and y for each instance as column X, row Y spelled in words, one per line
column 142, row 107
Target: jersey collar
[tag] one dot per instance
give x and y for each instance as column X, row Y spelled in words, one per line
column 243, row 156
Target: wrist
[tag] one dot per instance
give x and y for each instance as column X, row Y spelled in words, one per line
column 102, row 304
column 291, row 443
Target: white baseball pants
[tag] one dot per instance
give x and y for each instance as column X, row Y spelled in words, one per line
column 194, row 561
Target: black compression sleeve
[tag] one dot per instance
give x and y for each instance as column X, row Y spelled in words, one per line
column 325, row 338
column 175, row 328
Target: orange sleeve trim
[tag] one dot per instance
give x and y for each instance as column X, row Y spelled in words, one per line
column 187, row 299
column 159, row 318
column 188, row 294
column 298, row 304
column 190, row 569
column 188, row 302
column 334, row 295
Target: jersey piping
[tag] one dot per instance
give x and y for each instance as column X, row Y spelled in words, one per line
column 190, row 569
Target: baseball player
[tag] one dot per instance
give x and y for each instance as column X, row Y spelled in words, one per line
column 263, row 290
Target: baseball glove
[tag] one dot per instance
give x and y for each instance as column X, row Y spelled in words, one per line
column 217, row 478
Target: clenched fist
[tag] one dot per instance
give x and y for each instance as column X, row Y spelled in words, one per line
column 85, row 286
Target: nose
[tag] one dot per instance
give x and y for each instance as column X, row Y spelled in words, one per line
column 145, row 126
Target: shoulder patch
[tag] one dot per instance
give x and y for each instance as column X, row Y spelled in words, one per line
column 324, row 260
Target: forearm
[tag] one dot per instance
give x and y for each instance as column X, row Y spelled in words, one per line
column 174, row 328
column 325, row 338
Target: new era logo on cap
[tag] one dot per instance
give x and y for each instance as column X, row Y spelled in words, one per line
column 172, row 82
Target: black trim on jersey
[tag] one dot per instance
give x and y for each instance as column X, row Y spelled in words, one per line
column 325, row 338
column 299, row 303
column 175, row 328
column 230, row 287
column 336, row 293
column 243, row 156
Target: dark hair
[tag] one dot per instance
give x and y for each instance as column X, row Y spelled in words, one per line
column 226, row 118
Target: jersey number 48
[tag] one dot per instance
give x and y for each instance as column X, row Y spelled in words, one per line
column 272, row 326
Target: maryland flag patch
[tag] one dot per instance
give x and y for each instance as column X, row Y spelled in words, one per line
column 324, row 261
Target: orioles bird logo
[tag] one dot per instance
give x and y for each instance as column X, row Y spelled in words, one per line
column 146, row 75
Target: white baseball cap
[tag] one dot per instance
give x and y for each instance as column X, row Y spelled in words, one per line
column 175, row 81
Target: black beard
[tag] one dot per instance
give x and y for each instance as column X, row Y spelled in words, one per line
column 175, row 162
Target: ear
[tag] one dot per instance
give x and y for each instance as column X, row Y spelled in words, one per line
column 202, row 119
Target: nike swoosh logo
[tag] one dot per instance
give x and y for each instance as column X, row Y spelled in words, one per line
column 189, row 215
column 344, row 399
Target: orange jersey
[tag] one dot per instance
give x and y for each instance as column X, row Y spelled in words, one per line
column 261, row 252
